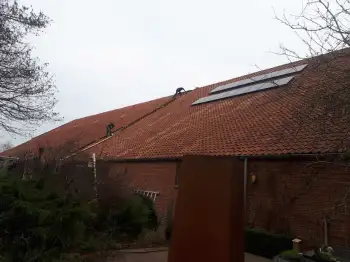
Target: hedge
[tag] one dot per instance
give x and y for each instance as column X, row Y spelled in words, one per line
column 265, row 244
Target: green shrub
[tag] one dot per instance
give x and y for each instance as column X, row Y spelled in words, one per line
column 262, row 243
column 291, row 255
column 125, row 220
column 152, row 218
column 36, row 225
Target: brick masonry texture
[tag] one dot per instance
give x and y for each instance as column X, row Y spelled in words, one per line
column 149, row 176
column 289, row 196
column 293, row 197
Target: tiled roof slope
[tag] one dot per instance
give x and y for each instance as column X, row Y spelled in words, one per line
column 278, row 121
column 81, row 132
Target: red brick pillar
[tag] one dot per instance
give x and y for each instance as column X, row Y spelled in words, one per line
column 209, row 218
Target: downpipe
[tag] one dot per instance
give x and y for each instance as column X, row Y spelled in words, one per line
column 325, row 231
column 245, row 188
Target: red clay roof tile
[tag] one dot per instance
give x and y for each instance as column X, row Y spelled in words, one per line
column 276, row 121
column 81, row 132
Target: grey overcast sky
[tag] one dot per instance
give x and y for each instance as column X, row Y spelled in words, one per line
column 109, row 54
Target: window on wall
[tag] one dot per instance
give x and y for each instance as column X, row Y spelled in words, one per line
column 149, row 194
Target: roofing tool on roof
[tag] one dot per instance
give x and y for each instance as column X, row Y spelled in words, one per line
column 178, row 91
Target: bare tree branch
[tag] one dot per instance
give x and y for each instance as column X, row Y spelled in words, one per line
column 27, row 90
column 322, row 25
column 5, row 146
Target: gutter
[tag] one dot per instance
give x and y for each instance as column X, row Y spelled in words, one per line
column 288, row 156
column 8, row 158
column 143, row 160
column 241, row 157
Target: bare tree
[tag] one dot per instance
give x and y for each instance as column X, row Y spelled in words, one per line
column 5, row 146
column 322, row 25
column 27, row 91
column 324, row 28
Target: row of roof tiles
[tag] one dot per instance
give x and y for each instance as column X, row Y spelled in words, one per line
column 278, row 121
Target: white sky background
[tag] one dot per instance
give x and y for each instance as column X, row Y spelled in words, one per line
column 109, row 54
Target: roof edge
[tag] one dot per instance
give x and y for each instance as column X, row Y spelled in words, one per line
column 142, row 160
column 308, row 156
column 305, row 156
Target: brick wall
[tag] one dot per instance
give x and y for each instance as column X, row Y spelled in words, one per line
column 150, row 176
column 294, row 197
column 289, row 196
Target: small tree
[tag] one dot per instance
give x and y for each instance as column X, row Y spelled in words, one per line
column 5, row 146
column 27, row 91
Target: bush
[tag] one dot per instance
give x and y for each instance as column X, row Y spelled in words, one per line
column 152, row 219
column 125, row 220
column 262, row 243
column 291, row 255
column 36, row 225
